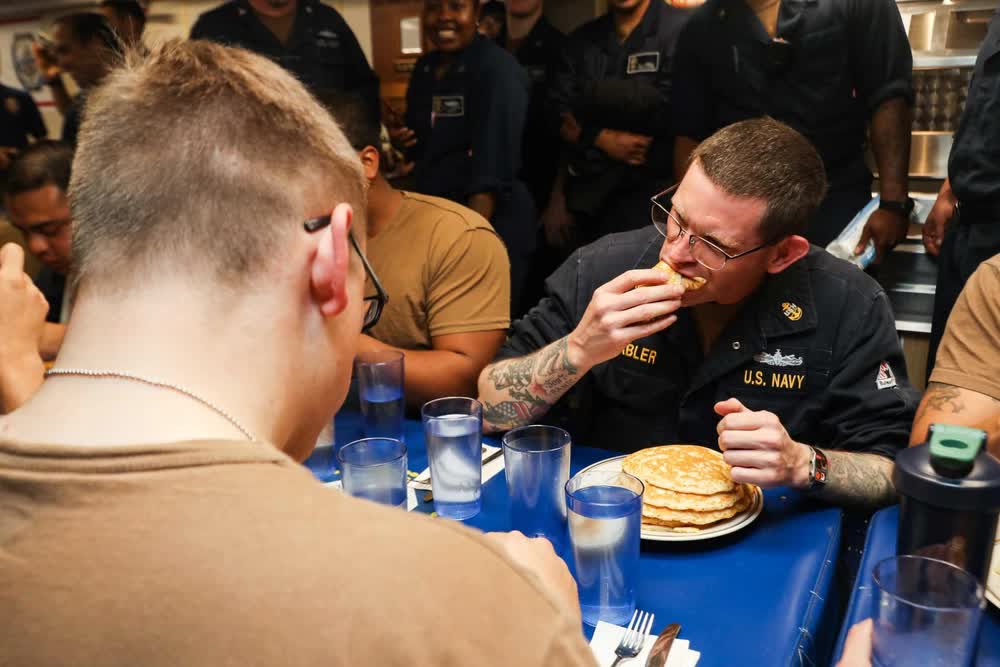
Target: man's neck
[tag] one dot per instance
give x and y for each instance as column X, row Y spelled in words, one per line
column 518, row 27
column 627, row 20
column 711, row 319
column 384, row 202
column 280, row 26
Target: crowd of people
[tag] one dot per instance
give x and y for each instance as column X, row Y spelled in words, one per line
column 215, row 218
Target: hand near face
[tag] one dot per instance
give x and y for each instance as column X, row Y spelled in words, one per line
column 619, row 314
column 624, row 146
column 759, row 448
column 402, row 137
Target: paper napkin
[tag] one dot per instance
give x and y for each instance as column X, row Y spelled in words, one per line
column 607, row 636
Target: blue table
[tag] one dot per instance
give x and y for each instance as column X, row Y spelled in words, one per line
column 880, row 544
column 761, row 596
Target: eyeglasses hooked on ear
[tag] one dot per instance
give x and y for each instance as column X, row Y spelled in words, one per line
column 375, row 303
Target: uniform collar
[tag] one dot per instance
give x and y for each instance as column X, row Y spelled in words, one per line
column 785, row 303
column 648, row 25
column 744, row 22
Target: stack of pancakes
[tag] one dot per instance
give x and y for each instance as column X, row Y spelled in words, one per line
column 687, row 487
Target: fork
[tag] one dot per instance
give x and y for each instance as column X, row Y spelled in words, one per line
column 635, row 636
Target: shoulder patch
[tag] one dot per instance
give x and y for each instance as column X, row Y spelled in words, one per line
column 885, row 379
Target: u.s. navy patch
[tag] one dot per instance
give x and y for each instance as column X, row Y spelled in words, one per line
column 448, row 105
column 885, row 379
column 643, row 63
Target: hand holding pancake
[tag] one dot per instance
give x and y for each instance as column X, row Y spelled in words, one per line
column 759, row 449
column 618, row 314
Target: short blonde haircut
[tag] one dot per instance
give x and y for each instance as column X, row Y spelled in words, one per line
column 201, row 159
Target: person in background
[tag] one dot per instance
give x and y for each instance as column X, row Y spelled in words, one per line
column 220, row 296
column 964, row 388
column 465, row 115
column 85, row 47
column 449, row 301
column 22, row 319
column 128, row 19
column 612, row 90
column 38, row 205
column 786, row 359
column 307, row 37
column 20, row 124
column 493, row 21
column 829, row 69
column 964, row 225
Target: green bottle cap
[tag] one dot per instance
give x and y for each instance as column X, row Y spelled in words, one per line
column 953, row 449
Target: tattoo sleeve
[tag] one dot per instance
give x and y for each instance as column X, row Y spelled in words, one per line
column 941, row 398
column 515, row 392
column 858, row 480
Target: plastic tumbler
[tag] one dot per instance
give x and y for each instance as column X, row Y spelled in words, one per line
column 380, row 392
column 375, row 469
column 926, row 612
column 536, row 462
column 453, row 430
column 604, row 511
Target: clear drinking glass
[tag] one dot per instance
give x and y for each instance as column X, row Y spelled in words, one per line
column 453, row 430
column 604, row 511
column 536, row 461
column 927, row 613
column 375, row 469
column 380, row 390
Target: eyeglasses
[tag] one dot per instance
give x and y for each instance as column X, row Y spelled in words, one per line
column 375, row 303
column 706, row 253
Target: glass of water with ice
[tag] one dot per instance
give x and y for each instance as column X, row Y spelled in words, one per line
column 380, row 390
column 604, row 512
column 375, row 469
column 453, row 432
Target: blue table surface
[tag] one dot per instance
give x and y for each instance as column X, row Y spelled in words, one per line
column 880, row 544
column 756, row 597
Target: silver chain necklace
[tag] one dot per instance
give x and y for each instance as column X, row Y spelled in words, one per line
column 82, row 372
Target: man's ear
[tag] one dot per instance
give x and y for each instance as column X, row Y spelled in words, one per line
column 786, row 252
column 370, row 160
column 331, row 263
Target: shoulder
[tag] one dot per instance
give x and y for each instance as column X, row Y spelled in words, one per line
column 593, row 31
column 673, row 18
column 492, row 60
column 841, row 290
column 438, row 210
column 217, row 18
column 621, row 252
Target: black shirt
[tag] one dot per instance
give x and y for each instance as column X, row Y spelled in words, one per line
column 322, row 51
column 974, row 166
column 19, row 120
column 538, row 54
column 816, row 345
column 843, row 59
column 52, row 285
column 609, row 84
column 469, row 123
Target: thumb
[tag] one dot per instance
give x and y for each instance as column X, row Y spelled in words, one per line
column 11, row 260
column 866, row 235
column 728, row 407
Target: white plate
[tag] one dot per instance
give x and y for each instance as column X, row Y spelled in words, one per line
column 664, row 534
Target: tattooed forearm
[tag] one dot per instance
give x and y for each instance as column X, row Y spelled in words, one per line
column 941, row 398
column 858, row 480
column 515, row 392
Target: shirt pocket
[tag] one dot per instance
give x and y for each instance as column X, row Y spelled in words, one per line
column 636, row 386
column 786, row 380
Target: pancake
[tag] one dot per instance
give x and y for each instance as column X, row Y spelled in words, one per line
column 681, row 468
column 689, row 284
column 669, row 518
column 676, row 500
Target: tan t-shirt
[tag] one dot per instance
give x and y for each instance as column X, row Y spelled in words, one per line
column 969, row 354
column 228, row 553
column 445, row 269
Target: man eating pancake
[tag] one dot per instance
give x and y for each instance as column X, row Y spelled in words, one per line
column 770, row 350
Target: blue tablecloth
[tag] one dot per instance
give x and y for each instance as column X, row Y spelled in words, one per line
column 761, row 596
column 881, row 543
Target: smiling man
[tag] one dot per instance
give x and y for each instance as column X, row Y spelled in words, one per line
column 786, row 359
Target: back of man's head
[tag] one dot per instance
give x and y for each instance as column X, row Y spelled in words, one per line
column 354, row 117
column 40, row 164
column 201, row 162
column 91, row 28
column 765, row 159
column 126, row 11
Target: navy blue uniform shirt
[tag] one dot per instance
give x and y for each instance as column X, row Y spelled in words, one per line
column 974, row 165
column 19, row 118
column 816, row 345
column 322, row 52
column 843, row 59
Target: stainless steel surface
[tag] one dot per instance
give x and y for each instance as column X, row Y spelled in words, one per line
column 661, row 648
column 929, row 153
column 634, row 637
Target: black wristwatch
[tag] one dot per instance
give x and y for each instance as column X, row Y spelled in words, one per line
column 818, row 466
column 904, row 208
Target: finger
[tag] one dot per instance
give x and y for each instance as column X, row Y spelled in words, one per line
column 638, row 331
column 644, row 313
column 631, row 279
column 764, row 478
column 858, row 646
column 11, row 261
column 866, row 235
column 648, row 294
column 761, row 459
column 729, row 407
